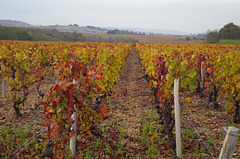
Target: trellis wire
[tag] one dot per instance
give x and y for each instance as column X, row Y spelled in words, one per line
column 34, row 136
column 198, row 133
column 203, row 129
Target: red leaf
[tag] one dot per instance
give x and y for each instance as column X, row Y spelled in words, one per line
column 91, row 119
column 103, row 109
column 59, row 154
column 85, row 130
column 80, row 99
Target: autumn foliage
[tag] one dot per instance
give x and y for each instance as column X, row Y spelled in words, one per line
column 79, row 73
column 210, row 70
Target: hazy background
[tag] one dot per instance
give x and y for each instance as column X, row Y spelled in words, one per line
column 194, row 16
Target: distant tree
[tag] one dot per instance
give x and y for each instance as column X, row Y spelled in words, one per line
column 54, row 31
column 115, row 31
column 187, row 38
column 150, row 33
column 230, row 31
column 78, row 36
column 49, row 34
column 22, row 35
column 201, row 35
column 212, row 36
column 13, row 33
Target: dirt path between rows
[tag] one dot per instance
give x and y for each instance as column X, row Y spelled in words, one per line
column 134, row 112
column 135, row 94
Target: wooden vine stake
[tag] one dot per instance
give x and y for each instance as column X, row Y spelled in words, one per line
column 177, row 118
column 202, row 78
column 3, row 86
column 74, row 127
column 229, row 143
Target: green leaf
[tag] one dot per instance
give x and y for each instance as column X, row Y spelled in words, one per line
column 192, row 85
column 24, row 66
column 192, row 73
column 185, row 81
column 182, row 66
column 168, row 76
column 173, row 64
column 89, row 100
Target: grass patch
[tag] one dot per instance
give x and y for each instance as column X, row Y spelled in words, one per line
column 236, row 42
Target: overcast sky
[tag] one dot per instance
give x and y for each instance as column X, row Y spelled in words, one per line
column 193, row 16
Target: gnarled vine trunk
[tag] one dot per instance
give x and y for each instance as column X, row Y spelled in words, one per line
column 167, row 119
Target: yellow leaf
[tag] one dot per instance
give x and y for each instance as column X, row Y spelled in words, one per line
column 188, row 101
column 238, row 85
column 152, row 138
column 154, row 83
column 59, row 110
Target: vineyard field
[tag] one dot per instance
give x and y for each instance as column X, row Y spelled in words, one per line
column 124, row 96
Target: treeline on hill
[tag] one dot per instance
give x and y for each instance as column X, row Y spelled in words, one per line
column 229, row 34
column 13, row 33
column 116, row 31
column 35, row 34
